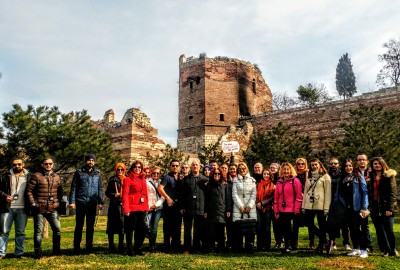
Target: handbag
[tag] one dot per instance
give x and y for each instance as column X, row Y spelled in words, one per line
column 246, row 226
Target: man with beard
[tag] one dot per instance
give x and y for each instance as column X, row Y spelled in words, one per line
column 334, row 173
column 13, row 206
column 44, row 192
column 86, row 198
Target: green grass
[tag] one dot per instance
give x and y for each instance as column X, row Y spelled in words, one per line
column 301, row 259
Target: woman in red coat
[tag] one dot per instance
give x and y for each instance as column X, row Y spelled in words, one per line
column 134, row 207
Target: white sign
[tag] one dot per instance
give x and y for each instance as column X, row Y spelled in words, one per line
column 230, row 147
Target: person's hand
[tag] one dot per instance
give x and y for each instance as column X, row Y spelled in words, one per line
column 182, row 211
column 364, row 213
column 153, row 207
column 9, row 198
column 258, row 205
column 389, row 213
column 170, row 202
column 205, row 215
column 117, row 195
column 276, row 215
column 127, row 214
column 99, row 206
column 242, row 210
column 326, row 212
column 247, row 209
column 228, row 214
column 72, row 206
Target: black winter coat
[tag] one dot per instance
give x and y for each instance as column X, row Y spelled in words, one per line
column 5, row 190
column 387, row 192
column 192, row 194
column 218, row 201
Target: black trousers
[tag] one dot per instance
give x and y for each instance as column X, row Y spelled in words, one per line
column 135, row 223
column 89, row 211
column 172, row 227
column 285, row 224
column 197, row 223
column 321, row 231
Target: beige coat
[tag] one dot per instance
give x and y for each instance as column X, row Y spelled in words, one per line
column 321, row 191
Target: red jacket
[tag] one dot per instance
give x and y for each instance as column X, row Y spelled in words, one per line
column 134, row 193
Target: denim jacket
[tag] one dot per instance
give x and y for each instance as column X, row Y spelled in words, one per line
column 360, row 193
column 86, row 187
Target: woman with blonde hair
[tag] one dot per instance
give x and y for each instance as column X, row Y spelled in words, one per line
column 287, row 201
column 244, row 200
column 317, row 200
column 115, row 218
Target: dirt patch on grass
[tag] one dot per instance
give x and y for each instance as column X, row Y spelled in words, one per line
column 345, row 264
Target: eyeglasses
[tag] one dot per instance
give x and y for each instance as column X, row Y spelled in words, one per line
column 137, row 167
column 185, row 167
column 333, row 163
column 173, row 165
column 300, row 163
column 217, row 173
column 156, row 173
column 47, row 164
column 16, row 164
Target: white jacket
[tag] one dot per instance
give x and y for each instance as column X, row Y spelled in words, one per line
column 244, row 195
column 152, row 194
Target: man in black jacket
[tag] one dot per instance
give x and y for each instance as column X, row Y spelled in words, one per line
column 192, row 207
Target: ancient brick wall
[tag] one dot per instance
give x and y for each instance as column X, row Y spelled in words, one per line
column 213, row 94
column 133, row 137
column 322, row 122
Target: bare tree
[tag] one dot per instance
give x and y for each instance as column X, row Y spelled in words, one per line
column 389, row 75
column 282, row 101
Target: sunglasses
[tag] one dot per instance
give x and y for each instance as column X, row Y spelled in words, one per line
column 47, row 164
column 217, row 173
column 300, row 163
column 174, row 165
column 120, row 169
column 333, row 163
column 16, row 164
column 156, row 173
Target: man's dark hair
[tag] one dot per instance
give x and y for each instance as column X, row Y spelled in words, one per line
column 174, row 160
column 16, row 158
column 46, row 158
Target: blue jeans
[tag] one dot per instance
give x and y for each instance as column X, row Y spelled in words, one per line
column 55, row 225
column 19, row 217
column 153, row 218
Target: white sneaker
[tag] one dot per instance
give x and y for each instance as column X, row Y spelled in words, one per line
column 355, row 252
column 347, row 248
column 363, row 254
column 334, row 247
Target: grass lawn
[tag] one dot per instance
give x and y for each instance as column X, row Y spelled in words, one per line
column 301, row 259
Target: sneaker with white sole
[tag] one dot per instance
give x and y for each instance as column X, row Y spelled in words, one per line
column 355, row 252
column 334, row 247
column 347, row 248
column 363, row 254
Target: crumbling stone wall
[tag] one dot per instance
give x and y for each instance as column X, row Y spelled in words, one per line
column 133, row 137
column 213, row 94
column 322, row 122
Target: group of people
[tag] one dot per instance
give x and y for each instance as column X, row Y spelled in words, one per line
column 220, row 205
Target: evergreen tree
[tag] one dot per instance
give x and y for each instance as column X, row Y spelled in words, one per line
column 278, row 144
column 312, row 93
column 35, row 133
column 164, row 158
column 212, row 152
column 370, row 130
column 345, row 78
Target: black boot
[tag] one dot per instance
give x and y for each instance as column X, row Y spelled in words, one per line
column 38, row 253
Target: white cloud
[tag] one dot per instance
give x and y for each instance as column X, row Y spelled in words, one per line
column 101, row 55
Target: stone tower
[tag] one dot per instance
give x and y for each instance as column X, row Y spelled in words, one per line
column 213, row 94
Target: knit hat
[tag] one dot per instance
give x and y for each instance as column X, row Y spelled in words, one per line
column 90, row 156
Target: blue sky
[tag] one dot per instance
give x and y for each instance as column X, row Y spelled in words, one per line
column 98, row 55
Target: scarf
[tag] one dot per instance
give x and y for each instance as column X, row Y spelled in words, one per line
column 265, row 190
column 121, row 177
